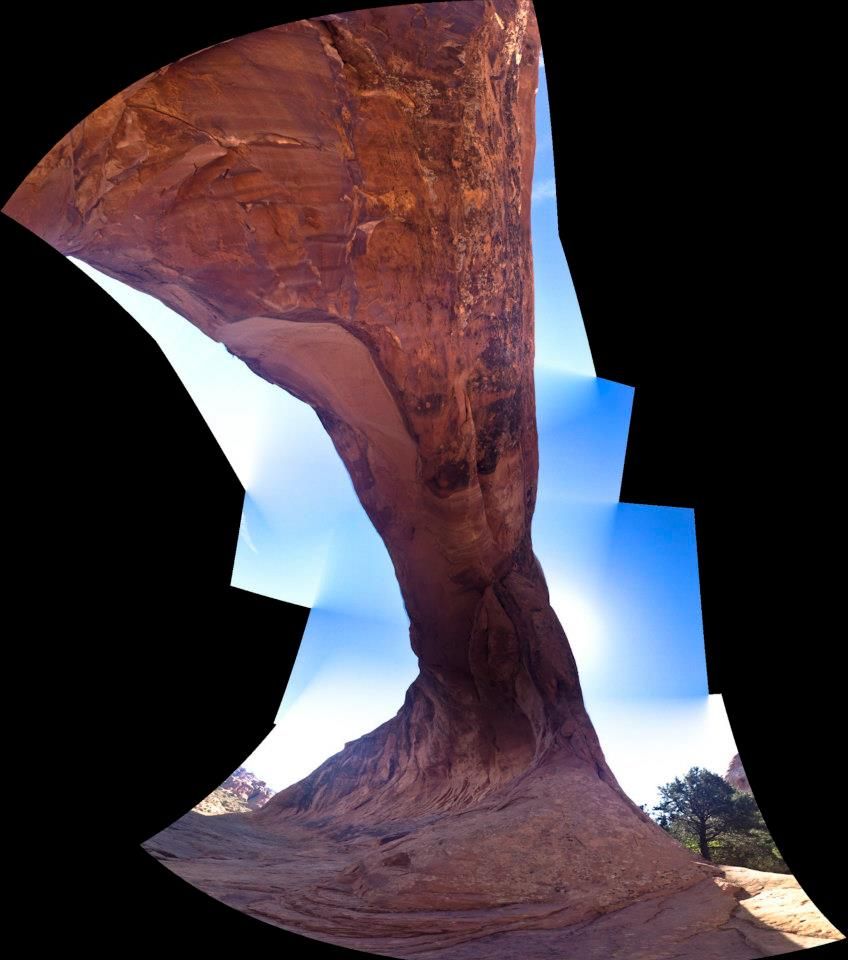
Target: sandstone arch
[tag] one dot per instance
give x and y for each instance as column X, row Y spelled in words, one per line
column 345, row 204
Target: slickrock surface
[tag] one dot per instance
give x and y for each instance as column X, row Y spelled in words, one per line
column 239, row 793
column 302, row 880
column 345, row 204
column 736, row 776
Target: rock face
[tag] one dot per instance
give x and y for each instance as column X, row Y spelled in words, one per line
column 345, row 204
column 239, row 793
column 736, row 776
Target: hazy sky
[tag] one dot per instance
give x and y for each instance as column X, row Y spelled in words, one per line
column 623, row 577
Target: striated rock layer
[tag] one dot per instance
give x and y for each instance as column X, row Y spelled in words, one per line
column 345, row 204
column 307, row 885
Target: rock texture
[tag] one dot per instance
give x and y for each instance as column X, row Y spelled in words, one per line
column 345, row 204
column 239, row 793
column 306, row 884
column 736, row 775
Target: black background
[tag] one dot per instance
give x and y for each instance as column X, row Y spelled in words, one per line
column 687, row 157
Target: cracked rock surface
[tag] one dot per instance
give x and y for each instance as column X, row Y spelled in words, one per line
column 344, row 203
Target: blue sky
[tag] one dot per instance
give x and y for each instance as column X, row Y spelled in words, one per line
column 623, row 577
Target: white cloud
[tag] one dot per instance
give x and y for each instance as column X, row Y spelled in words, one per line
column 544, row 190
column 245, row 532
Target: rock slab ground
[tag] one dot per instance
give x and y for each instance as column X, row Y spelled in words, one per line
column 321, row 883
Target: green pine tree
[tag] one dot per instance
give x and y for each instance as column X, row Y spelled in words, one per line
column 709, row 816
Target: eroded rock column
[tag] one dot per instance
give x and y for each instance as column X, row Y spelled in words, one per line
column 345, row 204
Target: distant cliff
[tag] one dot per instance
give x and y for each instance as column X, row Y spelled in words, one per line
column 736, row 776
column 239, row 793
